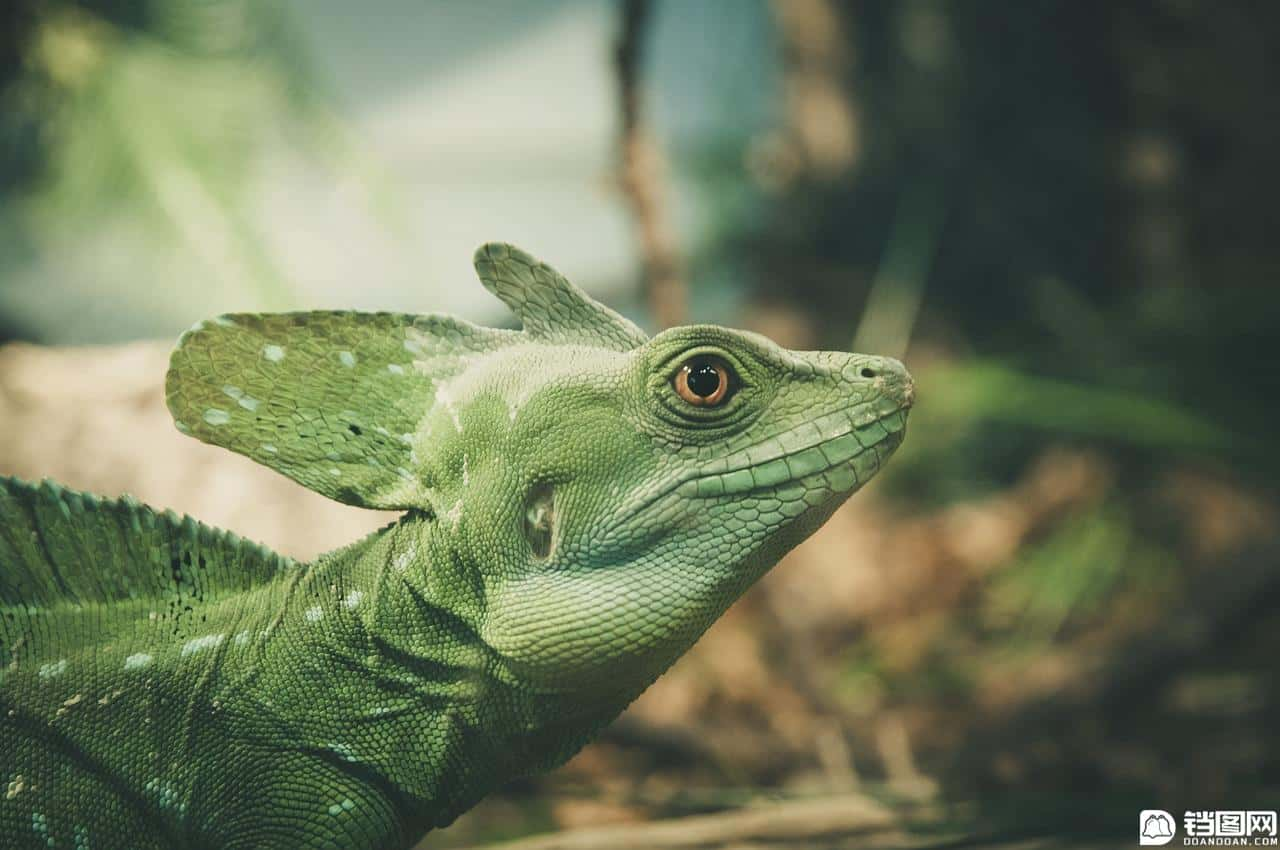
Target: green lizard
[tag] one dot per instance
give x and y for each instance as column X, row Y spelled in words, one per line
column 581, row 502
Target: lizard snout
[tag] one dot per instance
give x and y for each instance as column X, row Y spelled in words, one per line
column 889, row 375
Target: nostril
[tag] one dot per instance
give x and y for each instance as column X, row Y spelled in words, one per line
column 867, row 372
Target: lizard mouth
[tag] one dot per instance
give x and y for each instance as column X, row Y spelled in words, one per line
column 831, row 455
column 841, row 450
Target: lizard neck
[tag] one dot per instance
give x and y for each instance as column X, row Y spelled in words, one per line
column 380, row 646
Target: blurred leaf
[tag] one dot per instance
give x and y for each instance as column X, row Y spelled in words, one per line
column 994, row 391
column 1074, row 569
column 157, row 127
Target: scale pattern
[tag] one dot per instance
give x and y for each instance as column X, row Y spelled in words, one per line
column 99, row 601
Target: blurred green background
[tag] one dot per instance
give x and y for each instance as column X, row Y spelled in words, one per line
column 1062, row 597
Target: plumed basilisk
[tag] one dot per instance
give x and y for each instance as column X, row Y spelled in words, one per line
column 580, row 503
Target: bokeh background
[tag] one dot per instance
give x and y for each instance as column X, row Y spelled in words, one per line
column 1058, row 606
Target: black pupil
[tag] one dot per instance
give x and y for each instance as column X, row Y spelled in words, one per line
column 704, row 380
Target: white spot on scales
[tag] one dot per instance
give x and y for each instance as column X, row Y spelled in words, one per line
column 137, row 661
column 402, row 561
column 53, row 670
column 202, row 643
column 248, row 402
column 274, row 353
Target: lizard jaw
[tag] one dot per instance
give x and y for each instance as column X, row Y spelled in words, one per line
column 832, row 455
column 843, row 457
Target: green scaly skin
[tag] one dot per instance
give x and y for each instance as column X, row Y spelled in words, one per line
column 572, row 525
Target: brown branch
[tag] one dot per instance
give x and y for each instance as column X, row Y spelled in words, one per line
column 642, row 172
column 785, row 823
column 856, row 822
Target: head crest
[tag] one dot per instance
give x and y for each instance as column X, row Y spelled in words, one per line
column 550, row 307
column 335, row 399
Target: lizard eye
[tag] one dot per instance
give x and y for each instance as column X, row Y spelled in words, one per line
column 704, row 381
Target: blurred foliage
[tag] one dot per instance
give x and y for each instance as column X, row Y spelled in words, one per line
column 1058, row 204
column 144, row 124
column 1080, row 158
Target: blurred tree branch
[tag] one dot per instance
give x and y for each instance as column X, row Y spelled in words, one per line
column 821, row 121
column 781, row 823
column 851, row 821
column 642, row 173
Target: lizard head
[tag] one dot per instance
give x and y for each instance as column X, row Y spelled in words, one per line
column 610, row 494
column 653, row 486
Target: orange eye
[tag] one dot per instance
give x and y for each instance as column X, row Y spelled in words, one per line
column 703, row 381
